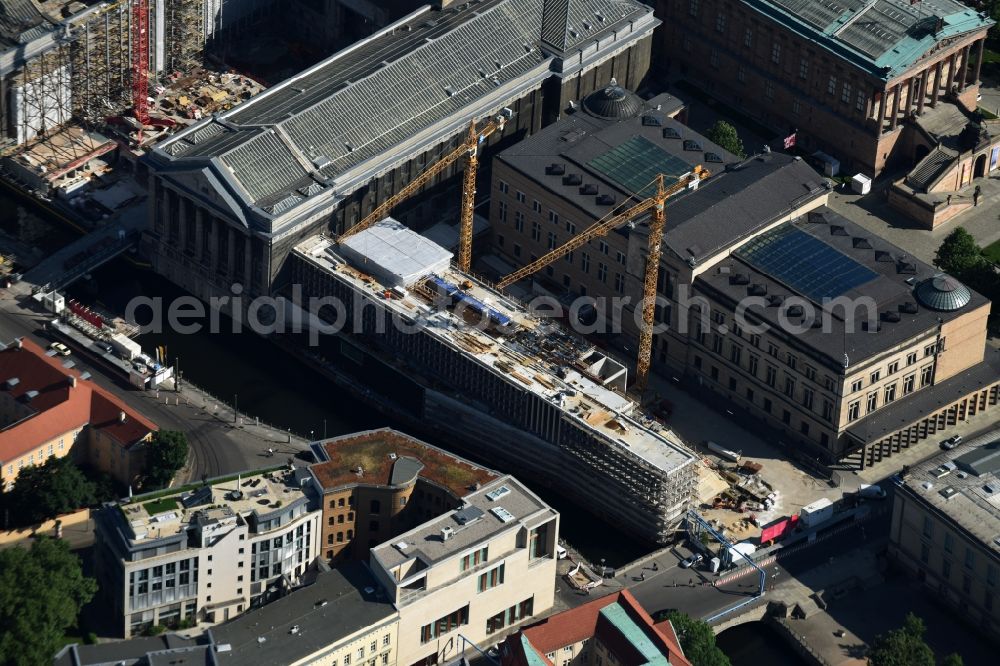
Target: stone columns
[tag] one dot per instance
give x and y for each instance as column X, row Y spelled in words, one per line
column 199, row 224
column 923, row 91
column 247, row 259
column 895, row 106
column 230, row 251
column 963, row 72
column 880, row 119
column 979, row 61
column 952, row 70
column 937, row 84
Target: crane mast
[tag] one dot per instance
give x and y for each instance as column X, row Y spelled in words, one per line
column 469, row 148
column 657, row 204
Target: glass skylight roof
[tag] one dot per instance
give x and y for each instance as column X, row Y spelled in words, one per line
column 804, row 263
column 636, row 163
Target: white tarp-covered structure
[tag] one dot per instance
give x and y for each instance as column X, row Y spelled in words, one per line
column 394, row 254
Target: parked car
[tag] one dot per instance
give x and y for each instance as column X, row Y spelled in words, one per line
column 60, row 349
column 106, row 346
column 951, row 442
column 689, row 562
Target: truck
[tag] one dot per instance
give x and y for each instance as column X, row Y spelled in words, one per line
column 723, row 452
column 816, row 513
column 871, row 492
column 125, row 347
column 739, row 554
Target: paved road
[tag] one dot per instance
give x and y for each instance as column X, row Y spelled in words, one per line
column 217, row 447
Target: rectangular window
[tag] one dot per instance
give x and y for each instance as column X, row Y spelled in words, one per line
column 792, row 361
column 807, row 398
column 846, row 91
column 804, row 68
column 570, row 228
column 893, row 368
column 713, row 58
column 970, row 558
column 620, row 258
column 536, row 206
column 890, row 393
column 911, row 358
column 925, row 553
column 504, row 187
column 502, row 211
column 385, row 640
column 602, row 271
column 619, row 283
column 769, row 90
column 693, row 7
column 928, row 527
column 490, row 579
column 776, row 53
column 874, row 377
column 771, row 376
column 796, row 107
column 520, row 197
column 872, row 404
column 831, row 85
column 736, row 354
column 473, row 559
column 536, row 231
column 585, row 261
column 856, row 385
column 854, row 410
column 519, row 222
column 752, row 364
column 827, row 410
column 925, row 375
column 444, row 625
column 720, row 22
column 741, row 74
column 552, row 240
column 789, row 387
column 716, row 343
column 861, row 101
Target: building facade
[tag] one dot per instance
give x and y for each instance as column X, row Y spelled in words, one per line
column 946, row 530
column 474, row 571
column 844, row 77
column 231, row 196
column 612, row 630
column 208, row 554
column 380, row 483
column 48, row 408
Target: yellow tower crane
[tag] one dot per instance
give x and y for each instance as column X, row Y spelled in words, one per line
column 656, row 204
column 469, row 148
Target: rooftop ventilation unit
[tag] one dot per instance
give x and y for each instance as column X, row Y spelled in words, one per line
column 29, row 395
column 497, row 493
column 739, row 278
column 883, row 257
column 948, row 492
column 605, row 200
column 447, row 532
column 392, row 456
column 757, row 290
column 11, row 383
column 469, row 514
column 555, row 169
column 795, row 311
column 774, row 300
column 502, row 514
column 572, row 179
column 588, row 189
column 861, row 243
column 909, row 307
column 671, row 133
column 692, row 145
column 401, row 546
column 837, row 230
column 652, row 120
column 890, row 316
column 713, row 157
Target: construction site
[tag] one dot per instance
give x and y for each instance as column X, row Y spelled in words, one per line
column 85, row 86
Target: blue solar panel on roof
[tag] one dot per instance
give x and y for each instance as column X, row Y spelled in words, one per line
column 805, row 263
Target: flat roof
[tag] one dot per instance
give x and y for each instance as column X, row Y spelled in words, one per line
column 394, row 252
column 378, row 454
column 949, row 484
column 882, row 37
column 523, row 354
column 132, row 651
column 341, row 602
column 499, row 506
column 312, row 133
column 260, row 493
column 901, row 316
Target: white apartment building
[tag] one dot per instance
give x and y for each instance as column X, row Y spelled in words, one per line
column 206, row 555
column 472, row 571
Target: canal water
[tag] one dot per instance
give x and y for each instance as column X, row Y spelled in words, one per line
column 266, row 382
column 755, row 644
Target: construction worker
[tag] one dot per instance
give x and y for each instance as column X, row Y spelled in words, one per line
column 975, row 195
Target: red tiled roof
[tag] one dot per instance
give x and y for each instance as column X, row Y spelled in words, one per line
column 58, row 407
column 583, row 622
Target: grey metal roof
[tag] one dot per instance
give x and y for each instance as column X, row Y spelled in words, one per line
column 359, row 104
column 981, row 461
column 900, row 318
column 339, row 603
column 21, row 22
column 136, row 651
column 404, row 470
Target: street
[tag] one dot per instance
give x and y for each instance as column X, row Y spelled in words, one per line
column 217, row 446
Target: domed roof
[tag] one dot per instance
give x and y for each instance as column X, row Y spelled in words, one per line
column 943, row 293
column 613, row 102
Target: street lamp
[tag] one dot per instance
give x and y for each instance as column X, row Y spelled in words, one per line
column 311, row 435
column 236, row 406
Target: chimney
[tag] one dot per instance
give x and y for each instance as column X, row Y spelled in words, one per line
column 72, row 381
column 18, row 343
column 122, row 417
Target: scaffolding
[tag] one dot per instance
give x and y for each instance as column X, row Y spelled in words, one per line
column 185, row 38
column 101, row 51
column 42, row 94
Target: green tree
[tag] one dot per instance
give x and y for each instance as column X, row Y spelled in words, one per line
column 41, row 593
column 725, row 135
column 48, row 490
column 165, row 454
column 697, row 640
column 902, row 647
column 953, row 659
column 959, row 253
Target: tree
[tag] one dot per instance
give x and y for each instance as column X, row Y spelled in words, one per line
column 697, row 640
column 902, row 647
column 48, row 490
column 958, row 253
column 165, row 454
column 953, row 659
column 41, row 593
column 725, row 136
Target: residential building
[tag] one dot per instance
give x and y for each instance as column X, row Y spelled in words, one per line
column 206, row 554
column 457, row 358
column 473, row 571
column 946, row 529
column 232, row 195
column 378, row 484
column 843, row 77
column 343, row 618
column 611, row 630
column 338, row 616
column 49, row 408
